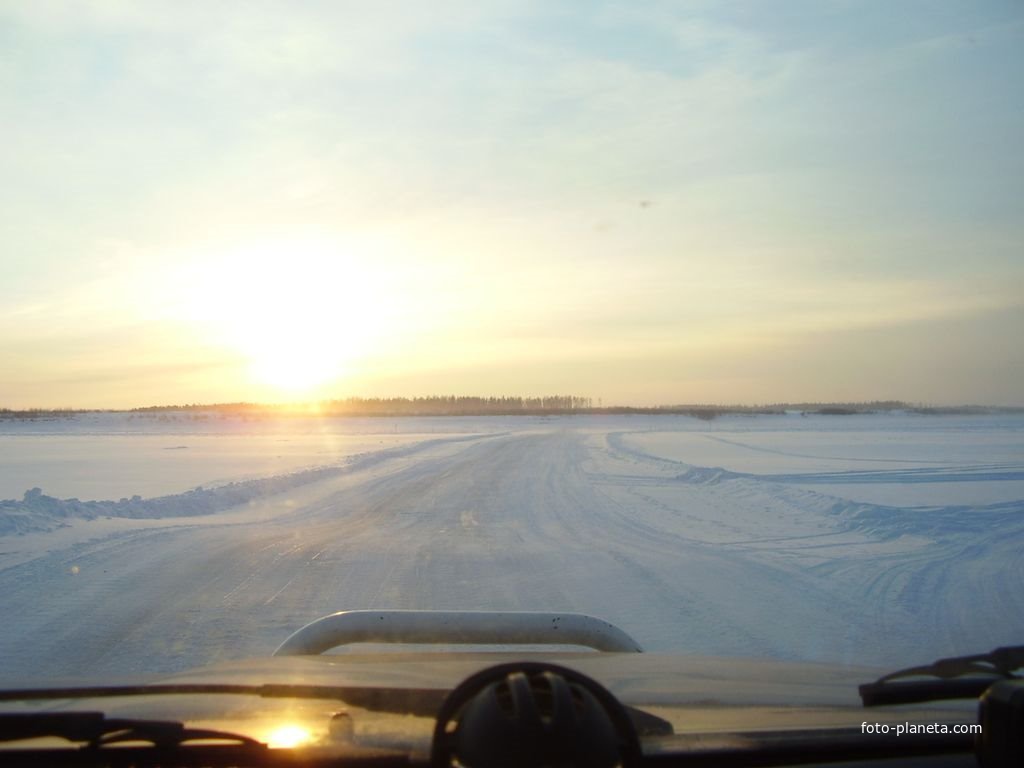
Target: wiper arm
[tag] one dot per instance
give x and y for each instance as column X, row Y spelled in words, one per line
column 959, row 677
column 98, row 730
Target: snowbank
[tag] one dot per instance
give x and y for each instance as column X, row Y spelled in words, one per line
column 38, row 512
column 879, row 521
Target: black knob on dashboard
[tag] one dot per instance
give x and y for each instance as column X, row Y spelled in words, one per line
column 533, row 714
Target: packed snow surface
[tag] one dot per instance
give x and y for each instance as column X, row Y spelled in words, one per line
column 144, row 545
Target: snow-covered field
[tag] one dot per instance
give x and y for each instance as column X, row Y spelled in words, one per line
column 153, row 544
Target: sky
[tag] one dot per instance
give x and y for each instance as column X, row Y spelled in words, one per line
column 639, row 202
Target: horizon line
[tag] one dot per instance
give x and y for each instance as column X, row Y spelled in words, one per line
column 505, row 405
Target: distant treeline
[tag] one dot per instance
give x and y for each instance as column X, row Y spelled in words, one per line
column 38, row 413
column 435, row 405
column 460, row 405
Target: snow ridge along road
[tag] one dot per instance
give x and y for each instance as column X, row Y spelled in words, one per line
column 572, row 515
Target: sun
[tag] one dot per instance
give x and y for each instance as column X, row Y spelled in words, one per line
column 295, row 370
column 303, row 313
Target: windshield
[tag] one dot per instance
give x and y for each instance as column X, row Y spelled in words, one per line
column 701, row 318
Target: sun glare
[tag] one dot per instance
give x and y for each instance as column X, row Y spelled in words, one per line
column 288, row 737
column 302, row 313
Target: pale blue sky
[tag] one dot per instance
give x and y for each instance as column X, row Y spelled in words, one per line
column 642, row 202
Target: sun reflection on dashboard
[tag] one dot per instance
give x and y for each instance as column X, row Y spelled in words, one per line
column 288, row 736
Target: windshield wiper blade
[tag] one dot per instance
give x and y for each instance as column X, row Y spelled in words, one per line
column 267, row 690
column 958, row 677
column 98, row 730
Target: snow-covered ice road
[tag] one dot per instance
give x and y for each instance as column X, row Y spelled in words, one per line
column 564, row 518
